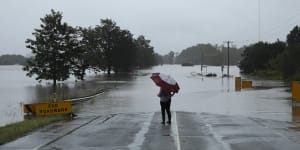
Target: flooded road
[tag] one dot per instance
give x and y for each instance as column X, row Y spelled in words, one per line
column 207, row 113
column 197, row 94
column 138, row 94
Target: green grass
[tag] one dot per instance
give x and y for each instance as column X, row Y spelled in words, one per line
column 76, row 108
column 268, row 74
column 13, row 131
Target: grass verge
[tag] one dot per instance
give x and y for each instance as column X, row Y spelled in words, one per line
column 268, row 74
column 13, row 131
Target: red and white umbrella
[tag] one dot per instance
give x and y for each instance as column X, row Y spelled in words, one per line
column 166, row 82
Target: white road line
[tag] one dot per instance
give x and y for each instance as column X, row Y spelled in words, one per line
column 225, row 145
column 140, row 136
column 177, row 133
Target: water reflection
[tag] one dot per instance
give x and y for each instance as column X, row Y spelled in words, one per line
column 296, row 114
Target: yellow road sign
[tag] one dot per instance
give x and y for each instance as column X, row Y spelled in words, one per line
column 41, row 109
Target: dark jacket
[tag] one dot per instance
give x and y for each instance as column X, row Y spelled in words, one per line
column 164, row 95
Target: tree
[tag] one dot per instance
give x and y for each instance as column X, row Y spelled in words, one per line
column 124, row 53
column 145, row 52
column 294, row 36
column 117, row 46
column 12, row 60
column 291, row 62
column 108, row 31
column 158, row 59
column 261, row 56
column 91, row 50
column 207, row 54
column 278, row 49
column 290, row 57
column 256, row 57
column 54, row 48
column 169, row 58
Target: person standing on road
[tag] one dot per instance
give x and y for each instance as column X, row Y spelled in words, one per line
column 165, row 103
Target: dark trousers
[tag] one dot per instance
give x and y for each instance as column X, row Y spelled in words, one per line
column 165, row 107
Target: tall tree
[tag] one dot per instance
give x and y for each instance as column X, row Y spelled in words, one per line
column 108, row 31
column 290, row 58
column 91, row 50
column 169, row 58
column 260, row 56
column 158, row 59
column 294, row 36
column 124, row 53
column 54, row 48
column 256, row 57
column 145, row 52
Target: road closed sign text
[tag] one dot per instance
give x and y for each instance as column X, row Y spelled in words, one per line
column 41, row 109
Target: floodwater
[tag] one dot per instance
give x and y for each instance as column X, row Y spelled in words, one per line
column 126, row 94
column 268, row 99
column 17, row 89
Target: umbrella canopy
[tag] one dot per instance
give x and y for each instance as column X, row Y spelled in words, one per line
column 166, row 82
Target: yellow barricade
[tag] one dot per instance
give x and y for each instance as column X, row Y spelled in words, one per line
column 238, row 83
column 246, row 84
column 51, row 108
column 296, row 91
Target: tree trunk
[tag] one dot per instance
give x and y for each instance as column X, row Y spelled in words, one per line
column 108, row 70
column 82, row 74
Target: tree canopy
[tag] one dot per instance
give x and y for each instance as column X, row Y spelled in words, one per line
column 145, row 52
column 12, row 60
column 208, row 54
column 282, row 57
column 54, row 49
column 60, row 50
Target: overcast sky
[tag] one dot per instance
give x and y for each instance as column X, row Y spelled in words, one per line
column 171, row 25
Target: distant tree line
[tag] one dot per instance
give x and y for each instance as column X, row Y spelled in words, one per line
column 60, row 50
column 12, row 60
column 205, row 54
column 281, row 58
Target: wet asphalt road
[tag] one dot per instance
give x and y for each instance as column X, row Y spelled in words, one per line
column 143, row 131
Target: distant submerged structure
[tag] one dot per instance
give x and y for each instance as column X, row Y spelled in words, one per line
column 187, row 64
